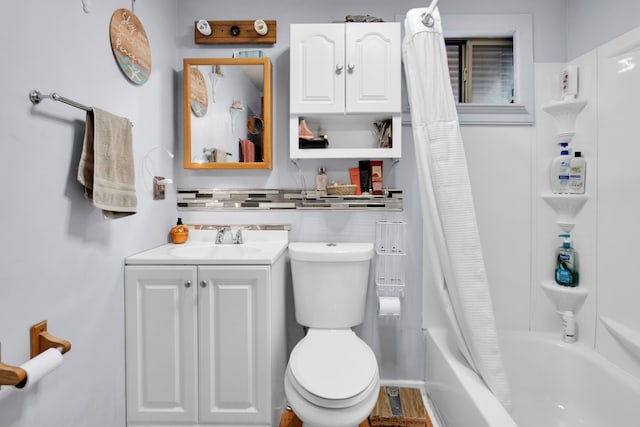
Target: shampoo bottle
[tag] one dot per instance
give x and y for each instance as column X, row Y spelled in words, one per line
column 567, row 265
column 559, row 171
column 577, row 173
column 569, row 329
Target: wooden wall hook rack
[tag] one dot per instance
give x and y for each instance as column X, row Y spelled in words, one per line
column 41, row 340
column 235, row 32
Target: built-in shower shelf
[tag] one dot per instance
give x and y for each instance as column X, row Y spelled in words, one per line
column 565, row 298
column 629, row 338
column 567, row 206
column 565, row 113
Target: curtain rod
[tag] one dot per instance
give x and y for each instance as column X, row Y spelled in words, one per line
column 427, row 18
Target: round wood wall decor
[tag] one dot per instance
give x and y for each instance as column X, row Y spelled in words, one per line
column 198, row 92
column 130, row 46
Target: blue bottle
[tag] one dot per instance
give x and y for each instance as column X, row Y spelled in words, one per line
column 567, row 264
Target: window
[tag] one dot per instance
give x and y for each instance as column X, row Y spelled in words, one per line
column 481, row 70
column 518, row 28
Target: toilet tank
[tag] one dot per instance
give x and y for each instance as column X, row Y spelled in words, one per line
column 330, row 282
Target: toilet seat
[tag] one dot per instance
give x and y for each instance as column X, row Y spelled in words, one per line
column 333, row 368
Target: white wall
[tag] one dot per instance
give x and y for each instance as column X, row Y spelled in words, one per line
column 618, row 205
column 590, row 23
column 61, row 260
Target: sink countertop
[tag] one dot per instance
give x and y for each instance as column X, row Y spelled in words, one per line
column 260, row 247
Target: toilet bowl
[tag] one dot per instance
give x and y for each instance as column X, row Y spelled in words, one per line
column 332, row 377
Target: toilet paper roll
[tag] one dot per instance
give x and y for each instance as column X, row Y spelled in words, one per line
column 388, row 306
column 40, row 366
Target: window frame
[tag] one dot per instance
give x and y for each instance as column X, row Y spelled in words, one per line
column 519, row 27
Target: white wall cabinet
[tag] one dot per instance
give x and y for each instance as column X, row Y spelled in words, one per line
column 338, row 68
column 344, row 77
column 205, row 344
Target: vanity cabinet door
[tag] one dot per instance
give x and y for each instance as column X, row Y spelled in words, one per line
column 234, row 377
column 373, row 68
column 161, row 356
column 317, row 68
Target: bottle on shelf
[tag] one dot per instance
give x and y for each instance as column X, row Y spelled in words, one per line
column 567, row 263
column 559, row 171
column 321, row 181
column 577, row 174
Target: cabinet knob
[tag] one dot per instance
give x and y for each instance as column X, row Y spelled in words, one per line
column 203, row 284
column 339, row 68
column 187, row 284
column 350, row 67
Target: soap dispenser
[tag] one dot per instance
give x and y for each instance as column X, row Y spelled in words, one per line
column 567, row 265
column 179, row 233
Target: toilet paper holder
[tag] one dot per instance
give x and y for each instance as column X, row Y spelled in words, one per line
column 41, row 340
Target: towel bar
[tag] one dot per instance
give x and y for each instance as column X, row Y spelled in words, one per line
column 36, row 97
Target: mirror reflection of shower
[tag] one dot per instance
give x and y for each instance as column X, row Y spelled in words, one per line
column 234, row 110
column 215, row 76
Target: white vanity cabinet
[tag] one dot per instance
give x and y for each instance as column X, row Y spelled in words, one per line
column 205, row 344
column 343, row 77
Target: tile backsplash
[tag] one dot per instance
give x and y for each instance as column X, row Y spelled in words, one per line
column 276, row 199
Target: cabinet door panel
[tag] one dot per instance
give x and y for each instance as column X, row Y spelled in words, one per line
column 317, row 68
column 161, row 361
column 234, row 374
column 373, row 68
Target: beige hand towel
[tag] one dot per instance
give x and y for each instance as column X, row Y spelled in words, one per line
column 106, row 166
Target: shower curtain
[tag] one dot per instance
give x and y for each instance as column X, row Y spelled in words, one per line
column 453, row 255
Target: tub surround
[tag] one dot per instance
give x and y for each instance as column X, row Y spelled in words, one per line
column 278, row 199
column 547, row 379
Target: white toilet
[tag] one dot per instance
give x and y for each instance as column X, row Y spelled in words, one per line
column 332, row 377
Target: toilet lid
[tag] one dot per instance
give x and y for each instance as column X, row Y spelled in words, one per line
column 333, row 364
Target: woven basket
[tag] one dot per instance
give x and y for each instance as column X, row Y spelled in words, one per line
column 341, row 189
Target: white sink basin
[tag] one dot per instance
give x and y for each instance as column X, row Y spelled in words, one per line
column 259, row 247
column 210, row 250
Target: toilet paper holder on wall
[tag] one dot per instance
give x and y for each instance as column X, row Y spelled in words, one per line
column 41, row 340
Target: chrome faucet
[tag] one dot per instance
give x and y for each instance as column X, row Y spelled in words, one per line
column 238, row 239
column 220, row 234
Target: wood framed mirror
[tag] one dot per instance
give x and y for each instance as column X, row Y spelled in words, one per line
column 227, row 113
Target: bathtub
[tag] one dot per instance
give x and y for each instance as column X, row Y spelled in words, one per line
column 553, row 384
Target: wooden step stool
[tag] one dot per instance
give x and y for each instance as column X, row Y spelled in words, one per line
column 386, row 412
column 399, row 407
